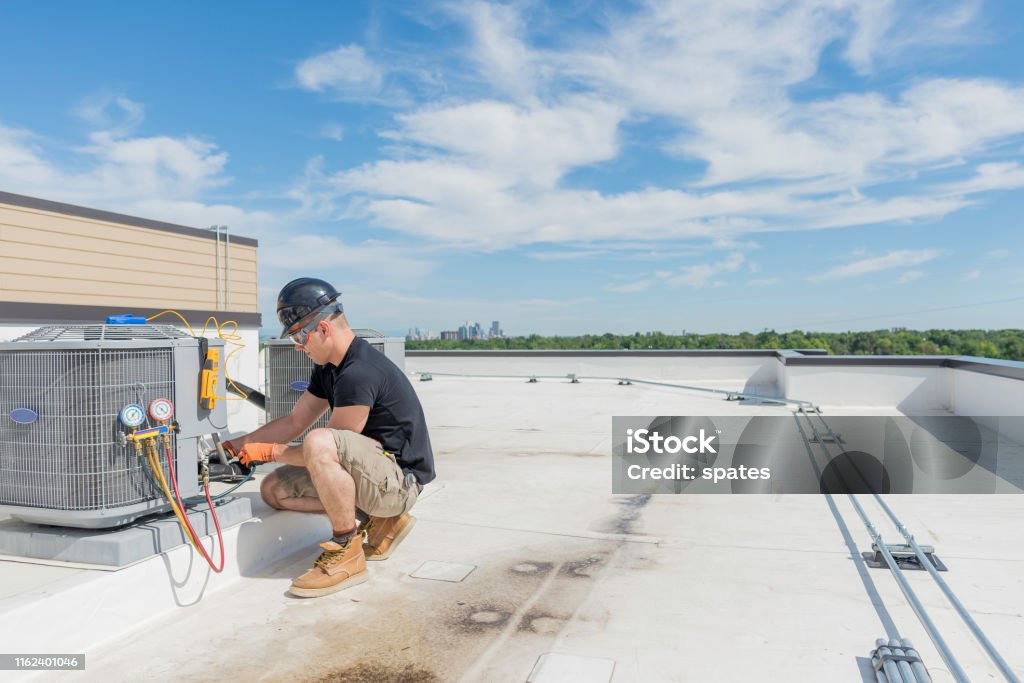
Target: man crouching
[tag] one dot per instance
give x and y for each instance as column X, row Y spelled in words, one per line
column 374, row 455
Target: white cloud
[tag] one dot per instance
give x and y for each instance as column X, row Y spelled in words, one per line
column 703, row 274
column 159, row 177
column 573, row 255
column 900, row 258
column 972, row 275
column 179, row 166
column 535, row 145
column 110, row 111
column 22, row 165
column 623, row 250
column 112, row 170
column 474, row 207
column 260, row 225
column 326, row 253
column 499, row 50
column 491, row 172
column 884, row 29
column 680, row 59
column 862, row 139
column 333, row 131
column 345, row 72
column 639, row 286
column 998, row 253
column 909, row 276
column 989, row 177
column 872, row 20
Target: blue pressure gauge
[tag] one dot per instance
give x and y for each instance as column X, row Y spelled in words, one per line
column 132, row 415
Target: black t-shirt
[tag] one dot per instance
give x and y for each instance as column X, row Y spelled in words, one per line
column 367, row 377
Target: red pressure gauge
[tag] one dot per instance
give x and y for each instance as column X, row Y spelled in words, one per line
column 161, row 410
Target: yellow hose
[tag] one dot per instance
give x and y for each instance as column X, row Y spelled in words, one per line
column 158, row 472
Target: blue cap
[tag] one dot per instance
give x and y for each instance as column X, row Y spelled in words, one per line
column 125, row 319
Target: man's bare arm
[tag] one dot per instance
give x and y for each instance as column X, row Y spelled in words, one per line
column 285, row 429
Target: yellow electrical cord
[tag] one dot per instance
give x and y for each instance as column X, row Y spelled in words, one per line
column 233, row 337
column 190, row 330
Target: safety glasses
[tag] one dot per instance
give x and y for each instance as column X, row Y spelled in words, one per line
column 301, row 335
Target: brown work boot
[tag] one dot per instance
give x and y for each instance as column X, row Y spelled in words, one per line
column 383, row 534
column 338, row 567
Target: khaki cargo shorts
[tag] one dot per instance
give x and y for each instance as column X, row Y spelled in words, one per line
column 381, row 488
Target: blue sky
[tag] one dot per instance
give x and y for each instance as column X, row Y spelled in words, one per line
column 561, row 167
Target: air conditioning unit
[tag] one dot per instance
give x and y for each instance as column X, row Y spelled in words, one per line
column 287, row 371
column 64, row 459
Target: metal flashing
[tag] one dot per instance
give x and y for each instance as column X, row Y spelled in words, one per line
column 21, row 312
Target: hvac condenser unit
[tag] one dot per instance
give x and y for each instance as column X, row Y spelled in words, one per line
column 288, row 370
column 63, row 456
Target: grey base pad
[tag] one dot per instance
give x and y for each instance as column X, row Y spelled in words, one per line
column 116, row 547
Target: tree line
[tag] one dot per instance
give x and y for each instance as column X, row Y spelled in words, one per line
column 1005, row 344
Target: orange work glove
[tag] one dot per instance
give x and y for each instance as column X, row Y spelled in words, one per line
column 257, row 452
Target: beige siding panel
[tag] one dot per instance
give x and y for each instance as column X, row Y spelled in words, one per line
column 109, row 232
column 117, row 304
column 53, row 231
column 54, row 258
column 72, row 274
column 34, row 288
column 244, row 275
column 245, row 256
column 90, row 294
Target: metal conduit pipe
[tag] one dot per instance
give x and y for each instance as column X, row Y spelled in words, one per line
column 216, row 266
column 889, row 673
column 929, row 626
column 879, row 666
column 907, row 672
column 915, row 604
column 903, row 666
column 460, row 374
column 756, row 397
column 989, row 648
column 917, row 667
column 1004, row 668
column 227, row 268
column 725, row 392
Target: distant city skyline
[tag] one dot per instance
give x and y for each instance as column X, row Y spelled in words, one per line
column 464, row 332
column 569, row 168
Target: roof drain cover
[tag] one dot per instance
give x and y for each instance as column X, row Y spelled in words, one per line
column 553, row 667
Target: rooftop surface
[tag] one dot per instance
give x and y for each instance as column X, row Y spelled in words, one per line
column 567, row 581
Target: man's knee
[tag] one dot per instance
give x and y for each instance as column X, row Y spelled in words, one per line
column 320, row 447
column 270, row 491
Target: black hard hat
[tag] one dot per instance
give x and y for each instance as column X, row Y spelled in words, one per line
column 303, row 297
